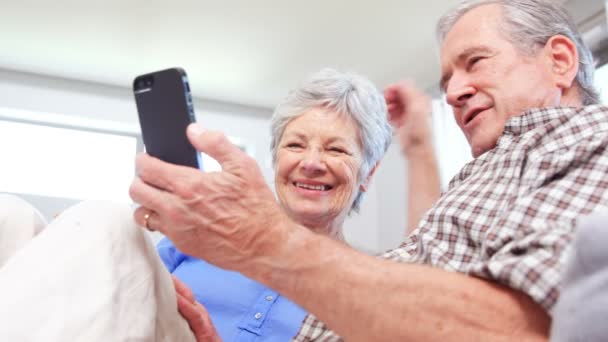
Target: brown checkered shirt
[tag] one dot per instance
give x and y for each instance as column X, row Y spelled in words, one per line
column 509, row 215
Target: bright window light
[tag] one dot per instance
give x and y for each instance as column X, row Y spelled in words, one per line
column 210, row 164
column 66, row 162
column 452, row 149
column 601, row 82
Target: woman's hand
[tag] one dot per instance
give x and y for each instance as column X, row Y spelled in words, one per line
column 409, row 112
column 195, row 313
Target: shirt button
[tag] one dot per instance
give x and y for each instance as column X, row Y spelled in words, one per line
column 258, row 315
column 269, row 298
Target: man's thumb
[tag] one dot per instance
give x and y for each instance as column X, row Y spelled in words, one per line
column 213, row 143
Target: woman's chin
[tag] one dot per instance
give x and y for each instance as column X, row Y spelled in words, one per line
column 311, row 217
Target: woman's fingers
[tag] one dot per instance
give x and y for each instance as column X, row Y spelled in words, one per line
column 198, row 319
column 183, row 289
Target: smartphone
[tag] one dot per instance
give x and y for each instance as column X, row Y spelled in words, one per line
column 164, row 106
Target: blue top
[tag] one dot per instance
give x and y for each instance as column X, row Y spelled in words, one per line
column 241, row 309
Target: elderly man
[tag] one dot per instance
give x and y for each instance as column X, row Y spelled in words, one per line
column 484, row 263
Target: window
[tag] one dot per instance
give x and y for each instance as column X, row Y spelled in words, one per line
column 211, row 165
column 601, row 82
column 451, row 147
column 60, row 161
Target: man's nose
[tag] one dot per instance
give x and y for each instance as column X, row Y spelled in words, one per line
column 459, row 90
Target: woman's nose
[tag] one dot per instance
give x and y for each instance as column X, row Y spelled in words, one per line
column 313, row 162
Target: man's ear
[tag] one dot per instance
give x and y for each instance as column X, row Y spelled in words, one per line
column 365, row 184
column 563, row 58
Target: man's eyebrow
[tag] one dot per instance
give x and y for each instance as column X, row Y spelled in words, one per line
column 466, row 53
column 471, row 51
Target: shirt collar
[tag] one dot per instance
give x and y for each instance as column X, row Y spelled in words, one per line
column 536, row 117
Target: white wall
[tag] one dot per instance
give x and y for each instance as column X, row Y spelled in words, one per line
column 391, row 199
column 380, row 224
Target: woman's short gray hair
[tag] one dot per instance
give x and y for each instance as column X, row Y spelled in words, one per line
column 530, row 24
column 345, row 93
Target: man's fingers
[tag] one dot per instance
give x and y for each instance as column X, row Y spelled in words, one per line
column 148, row 196
column 213, row 143
column 160, row 174
column 150, row 170
column 147, row 218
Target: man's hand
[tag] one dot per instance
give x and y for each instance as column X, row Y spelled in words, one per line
column 194, row 313
column 409, row 112
column 228, row 218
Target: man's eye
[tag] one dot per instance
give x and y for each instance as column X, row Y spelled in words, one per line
column 473, row 61
column 294, row 145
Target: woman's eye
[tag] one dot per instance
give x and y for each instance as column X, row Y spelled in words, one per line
column 293, row 145
column 337, row 149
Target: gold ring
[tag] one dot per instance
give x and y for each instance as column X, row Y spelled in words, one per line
column 146, row 218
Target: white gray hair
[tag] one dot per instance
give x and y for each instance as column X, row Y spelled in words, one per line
column 347, row 94
column 529, row 25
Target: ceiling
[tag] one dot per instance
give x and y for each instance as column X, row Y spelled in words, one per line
column 239, row 51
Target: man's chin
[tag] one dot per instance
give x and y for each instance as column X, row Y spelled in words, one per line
column 479, row 148
column 483, row 141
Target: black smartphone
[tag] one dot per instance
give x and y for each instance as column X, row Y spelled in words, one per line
column 165, row 109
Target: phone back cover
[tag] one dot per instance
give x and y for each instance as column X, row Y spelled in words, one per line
column 164, row 115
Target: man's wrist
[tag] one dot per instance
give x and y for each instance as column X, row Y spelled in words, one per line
column 276, row 249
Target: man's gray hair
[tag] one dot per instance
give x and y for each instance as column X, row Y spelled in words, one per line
column 529, row 25
column 347, row 94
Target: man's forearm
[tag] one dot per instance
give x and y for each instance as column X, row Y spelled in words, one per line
column 363, row 298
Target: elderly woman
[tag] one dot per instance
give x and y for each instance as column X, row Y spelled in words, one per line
column 328, row 136
column 92, row 274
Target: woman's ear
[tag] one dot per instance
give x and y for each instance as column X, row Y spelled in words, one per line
column 365, row 184
column 563, row 58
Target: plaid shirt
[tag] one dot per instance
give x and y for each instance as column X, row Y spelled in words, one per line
column 509, row 215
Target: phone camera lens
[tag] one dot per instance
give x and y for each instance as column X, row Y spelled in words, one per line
column 144, row 83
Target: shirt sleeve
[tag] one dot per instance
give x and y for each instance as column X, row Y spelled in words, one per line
column 312, row 329
column 527, row 246
column 168, row 254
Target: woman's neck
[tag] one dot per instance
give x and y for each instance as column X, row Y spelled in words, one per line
column 332, row 229
column 337, row 235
